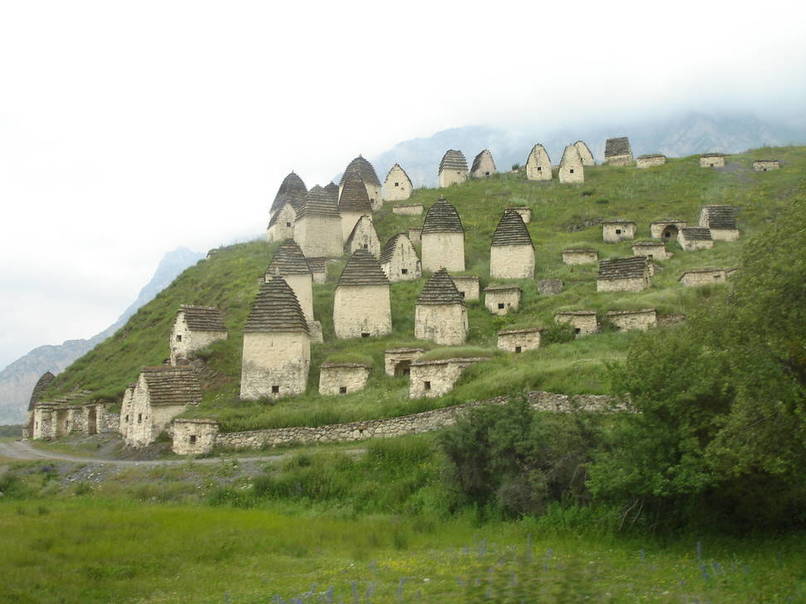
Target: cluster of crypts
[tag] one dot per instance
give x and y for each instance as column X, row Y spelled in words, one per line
column 324, row 223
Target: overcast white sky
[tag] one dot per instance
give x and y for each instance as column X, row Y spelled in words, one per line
column 130, row 128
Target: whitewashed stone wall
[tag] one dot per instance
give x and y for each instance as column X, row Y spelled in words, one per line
column 571, row 169
column 342, row 378
column 146, row 422
column 408, row 209
column 404, row 264
column 512, row 262
column 430, row 379
column 629, row 320
column 584, row 153
column 615, row 232
column 622, row 285
column 580, row 257
column 319, row 236
column 694, row 245
column 415, row 235
column 302, row 286
column 655, row 252
column 283, row 227
column 397, row 186
column 502, row 301
column 584, row 325
column 451, row 177
column 348, row 221
column 538, row 165
column 712, row 162
column 443, row 250
column 468, row 286
column 656, row 229
column 650, row 162
column 444, row 324
column 397, row 360
column 524, row 212
column 362, row 310
column 763, row 165
column 725, row 234
column 184, row 342
column 194, row 436
column 702, row 277
column 365, row 238
column 519, row 340
column 274, row 364
column 44, row 424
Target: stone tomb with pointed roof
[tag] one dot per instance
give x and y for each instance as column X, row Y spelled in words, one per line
column 399, row 260
column 362, row 304
column 512, row 254
column 614, row 231
column 650, row 161
column 483, row 165
column 452, row 168
column 524, row 211
column 580, row 255
column 292, row 191
column 538, row 164
column 765, row 165
column 318, row 230
column 623, row 274
column 585, row 154
column 290, row 264
column 721, row 220
column 666, row 229
column 440, row 314
column 519, row 340
column 195, row 327
column 397, row 361
column 618, row 152
column 276, row 345
column 342, row 378
column 443, row 238
column 367, row 173
column 654, row 250
column 39, row 388
column 468, row 286
column 712, row 160
column 431, row 379
column 698, row 277
column 353, row 202
column 627, row 320
column 160, row 394
column 571, row 168
column 500, row 299
column 693, row 239
column 397, row 186
column 584, row 322
column 363, row 236
column 281, row 224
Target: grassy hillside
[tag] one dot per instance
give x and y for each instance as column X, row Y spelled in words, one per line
column 560, row 214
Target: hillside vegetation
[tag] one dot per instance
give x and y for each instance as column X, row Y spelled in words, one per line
column 562, row 216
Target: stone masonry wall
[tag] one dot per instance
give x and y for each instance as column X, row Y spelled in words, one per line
column 444, row 324
column 512, row 262
column 283, row 227
column 404, row 259
column 698, row 279
column 443, row 250
column 274, row 359
column 650, row 162
column 613, row 233
column 362, row 310
column 509, row 298
column 342, row 379
column 580, row 257
column 585, row 324
column 409, row 209
column 184, row 341
column 319, row 236
column 467, row 285
column 451, row 177
column 519, row 342
column 621, row 285
column 641, row 320
column 194, row 436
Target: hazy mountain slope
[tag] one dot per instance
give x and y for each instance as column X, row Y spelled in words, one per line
column 18, row 379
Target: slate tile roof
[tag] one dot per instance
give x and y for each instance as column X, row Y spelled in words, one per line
column 333, row 190
column 635, row 267
column 359, row 224
column 617, row 146
column 696, row 233
column 511, row 230
column 275, row 217
column 292, row 190
column 203, row 318
column 480, row 157
column 41, row 385
column 440, row 289
column 388, row 250
column 651, row 156
column 442, row 217
column 172, row 385
column 571, row 156
column 288, row 260
column 362, row 269
column 318, row 202
column 453, row 160
column 720, row 217
column 276, row 309
column 364, row 169
column 354, row 197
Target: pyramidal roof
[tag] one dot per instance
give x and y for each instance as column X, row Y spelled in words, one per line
column 389, row 247
column 537, row 152
column 333, row 189
column 617, row 146
column 288, row 260
column 720, row 217
column 442, row 217
column 41, row 385
column 402, row 171
column 292, row 190
column 360, row 224
column 354, row 197
column 624, row 268
column 696, row 233
column 203, row 318
column 440, row 289
column 570, row 156
column 364, row 169
column 276, row 309
column 584, row 150
column 480, row 157
column 511, row 230
column 453, row 160
column 172, row 385
column 318, row 202
column 362, row 269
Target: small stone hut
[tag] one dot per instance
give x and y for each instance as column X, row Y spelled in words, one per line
column 160, row 394
column 571, row 169
column 626, row 320
column 353, row 202
column 193, row 436
column 290, row 264
column 580, row 255
column 501, row 299
column 399, row 260
column 712, row 160
column 368, row 176
column 397, row 186
column 276, row 344
column 666, row 229
column 654, row 250
column 721, row 220
column 281, row 224
column 397, row 361
column 512, row 254
column 618, row 152
column 538, row 164
column 585, row 153
column 650, row 161
column 614, row 231
column 452, row 168
column 408, row 209
column 483, row 165
column 519, row 340
column 318, row 226
column 363, row 236
column 623, row 274
column 39, row 388
column 292, row 191
column 431, row 379
column 692, row 239
column 362, row 304
column 343, row 378
column 703, row 276
column 765, row 165
column 440, row 314
column 524, row 211
column 443, row 238
column 468, row 286
column 195, row 327
column 584, row 322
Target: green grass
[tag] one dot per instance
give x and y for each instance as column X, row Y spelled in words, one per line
column 230, row 280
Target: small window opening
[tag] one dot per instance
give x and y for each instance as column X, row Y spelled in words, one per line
column 577, row 330
column 288, row 224
column 342, row 389
column 139, row 418
column 397, row 184
column 364, row 334
column 366, row 246
column 462, row 294
column 571, row 170
column 486, row 174
column 618, row 231
column 404, row 271
column 650, row 256
column 539, row 168
column 127, row 419
column 407, row 371
column 427, row 385
column 518, row 349
column 192, row 439
column 500, row 305
column 275, row 390
column 716, row 277
column 179, row 337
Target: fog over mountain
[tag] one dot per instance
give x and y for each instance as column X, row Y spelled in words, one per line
column 17, row 380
